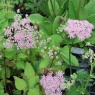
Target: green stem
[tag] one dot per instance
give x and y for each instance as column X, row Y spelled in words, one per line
column 5, row 71
column 70, row 56
column 91, row 71
column 70, row 59
column 51, row 62
column 86, row 84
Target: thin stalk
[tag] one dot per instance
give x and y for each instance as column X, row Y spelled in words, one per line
column 79, row 65
column 86, row 84
column 91, row 70
column 70, row 56
column 52, row 62
column 5, row 79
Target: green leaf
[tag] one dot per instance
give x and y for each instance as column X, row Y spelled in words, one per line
column 43, row 5
column 82, row 13
column 22, row 56
column 56, row 24
column 2, row 73
column 36, row 18
column 64, row 53
column 20, row 83
column 72, row 11
column 53, row 7
column 91, row 19
column 44, row 62
column 34, row 91
column 33, row 80
column 29, row 70
column 55, row 40
column 90, row 7
column 20, row 64
column 46, row 27
column 92, row 38
column 9, row 53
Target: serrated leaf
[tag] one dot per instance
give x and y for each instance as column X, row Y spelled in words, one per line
column 33, row 80
column 20, row 83
column 20, row 64
column 29, row 70
column 34, row 91
column 44, row 62
column 22, row 56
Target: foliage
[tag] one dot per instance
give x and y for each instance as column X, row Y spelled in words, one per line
column 24, row 67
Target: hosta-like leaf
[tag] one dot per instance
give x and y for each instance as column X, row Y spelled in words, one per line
column 65, row 55
column 90, row 7
column 53, row 7
column 36, row 18
column 56, row 24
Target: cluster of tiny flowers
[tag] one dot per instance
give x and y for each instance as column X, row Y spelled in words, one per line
column 68, row 83
column 88, row 44
column 90, row 54
column 76, row 28
column 52, row 82
column 20, row 34
column 44, row 42
column 53, row 53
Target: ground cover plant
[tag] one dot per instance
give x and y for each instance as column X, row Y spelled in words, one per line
column 38, row 46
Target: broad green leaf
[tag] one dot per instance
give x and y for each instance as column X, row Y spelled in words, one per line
column 55, row 40
column 90, row 7
column 29, row 70
column 56, row 24
column 92, row 38
column 64, row 53
column 36, row 18
column 44, row 62
column 34, row 91
column 33, row 80
column 72, row 11
column 20, row 83
column 22, row 56
column 82, row 13
column 43, row 5
column 46, row 27
column 91, row 19
column 53, row 7
column 2, row 73
column 9, row 53
column 20, row 64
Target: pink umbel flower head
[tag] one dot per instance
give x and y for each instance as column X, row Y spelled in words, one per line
column 52, row 83
column 77, row 28
column 20, row 34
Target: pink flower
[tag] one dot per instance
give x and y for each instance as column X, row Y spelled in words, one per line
column 80, row 29
column 51, row 83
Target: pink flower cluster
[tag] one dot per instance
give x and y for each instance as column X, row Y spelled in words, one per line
column 80, row 29
column 52, row 83
column 20, row 34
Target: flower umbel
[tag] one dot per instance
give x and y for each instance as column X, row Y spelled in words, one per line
column 52, row 82
column 77, row 28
